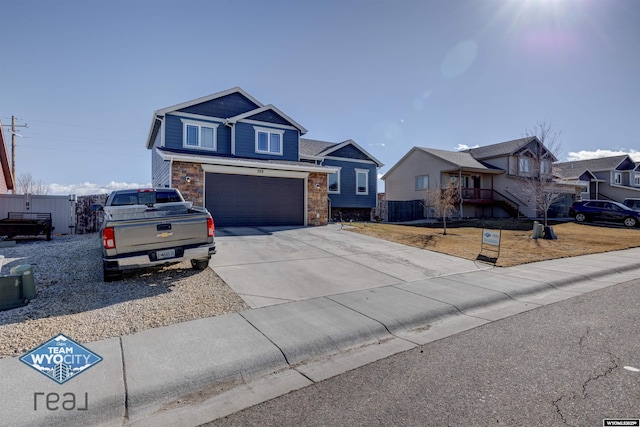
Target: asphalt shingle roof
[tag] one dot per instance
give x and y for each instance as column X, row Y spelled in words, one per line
column 500, row 149
column 575, row 168
column 312, row 147
column 461, row 159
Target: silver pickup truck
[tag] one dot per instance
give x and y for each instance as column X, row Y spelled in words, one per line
column 153, row 227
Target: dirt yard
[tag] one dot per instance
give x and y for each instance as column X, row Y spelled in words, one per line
column 464, row 239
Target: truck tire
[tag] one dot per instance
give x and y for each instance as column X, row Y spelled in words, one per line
column 199, row 264
column 111, row 275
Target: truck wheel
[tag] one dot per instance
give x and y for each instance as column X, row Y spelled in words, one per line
column 111, row 275
column 199, row 264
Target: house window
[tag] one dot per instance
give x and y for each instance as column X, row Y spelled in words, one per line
column 545, row 167
column 334, row 182
column 362, row 181
column 199, row 135
column 636, row 180
column 617, row 178
column 269, row 141
column 524, row 166
column 422, row 182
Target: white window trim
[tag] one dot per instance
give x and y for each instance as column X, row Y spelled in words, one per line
column 200, row 125
column 269, row 131
column 636, row 179
column 617, row 178
column 366, row 172
column 339, row 187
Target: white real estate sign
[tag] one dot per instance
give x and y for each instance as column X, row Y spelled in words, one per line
column 491, row 237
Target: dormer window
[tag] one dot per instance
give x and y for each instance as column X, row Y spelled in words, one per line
column 524, row 165
column 545, row 167
column 199, row 134
column 269, row 141
column 617, row 178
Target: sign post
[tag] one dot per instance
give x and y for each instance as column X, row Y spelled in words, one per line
column 490, row 242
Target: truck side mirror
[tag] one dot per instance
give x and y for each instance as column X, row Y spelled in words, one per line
column 96, row 208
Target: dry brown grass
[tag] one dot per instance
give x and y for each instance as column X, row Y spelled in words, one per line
column 517, row 246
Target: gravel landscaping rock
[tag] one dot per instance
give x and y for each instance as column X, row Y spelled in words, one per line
column 73, row 299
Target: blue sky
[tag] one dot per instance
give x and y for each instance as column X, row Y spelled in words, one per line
column 86, row 76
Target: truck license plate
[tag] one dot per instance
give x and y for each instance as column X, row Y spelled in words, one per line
column 167, row 253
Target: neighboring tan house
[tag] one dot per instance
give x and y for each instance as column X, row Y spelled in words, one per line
column 352, row 188
column 607, row 178
column 245, row 162
column 6, row 178
column 490, row 179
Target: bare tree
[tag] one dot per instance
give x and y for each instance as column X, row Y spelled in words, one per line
column 540, row 185
column 442, row 200
column 26, row 184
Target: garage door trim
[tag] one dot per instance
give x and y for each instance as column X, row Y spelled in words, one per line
column 258, row 171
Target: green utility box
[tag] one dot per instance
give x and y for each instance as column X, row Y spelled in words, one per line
column 17, row 288
column 28, row 283
column 11, row 292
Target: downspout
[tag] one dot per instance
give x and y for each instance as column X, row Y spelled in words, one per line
column 171, row 172
column 233, row 135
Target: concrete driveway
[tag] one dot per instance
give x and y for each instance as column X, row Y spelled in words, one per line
column 273, row 265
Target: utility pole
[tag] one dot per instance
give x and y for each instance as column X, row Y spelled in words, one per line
column 13, row 146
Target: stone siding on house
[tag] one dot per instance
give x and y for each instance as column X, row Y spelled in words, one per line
column 192, row 191
column 317, row 199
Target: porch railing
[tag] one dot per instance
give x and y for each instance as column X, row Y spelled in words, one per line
column 477, row 194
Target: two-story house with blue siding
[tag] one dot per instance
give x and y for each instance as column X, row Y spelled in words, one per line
column 243, row 161
column 352, row 188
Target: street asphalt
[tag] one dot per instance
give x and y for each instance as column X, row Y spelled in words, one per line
column 325, row 301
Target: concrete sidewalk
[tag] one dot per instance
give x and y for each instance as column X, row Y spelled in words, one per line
column 193, row 372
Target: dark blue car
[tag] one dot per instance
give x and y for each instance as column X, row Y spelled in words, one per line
column 603, row 210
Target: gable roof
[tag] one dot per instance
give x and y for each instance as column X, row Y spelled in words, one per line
column 270, row 107
column 458, row 160
column 318, row 149
column 575, row 168
column 158, row 114
column 4, row 161
column 500, row 149
column 237, row 89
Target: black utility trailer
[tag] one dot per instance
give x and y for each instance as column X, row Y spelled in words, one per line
column 26, row 224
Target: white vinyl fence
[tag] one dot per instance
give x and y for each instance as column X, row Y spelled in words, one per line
column 62, row 208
